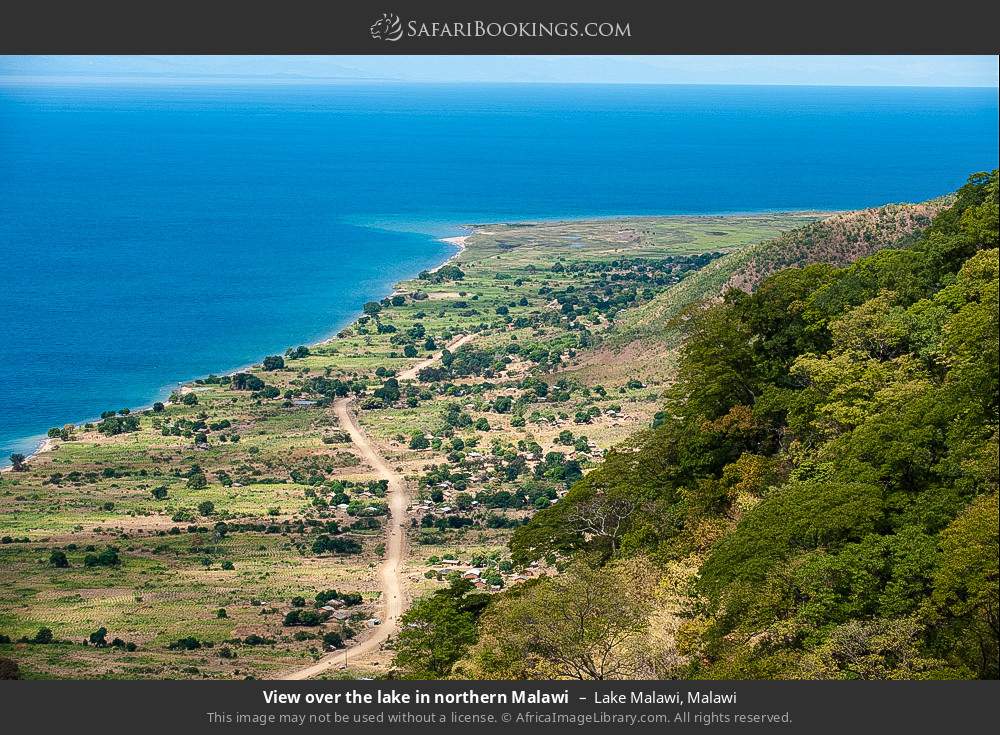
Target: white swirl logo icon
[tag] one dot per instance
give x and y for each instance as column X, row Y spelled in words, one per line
column 387, row 28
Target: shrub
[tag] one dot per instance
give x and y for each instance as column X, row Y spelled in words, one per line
column 349, row 599
column 448, row 272
column 256, row 640
column 333, row 639
column 503, row 404
column 303, row 617
column 246, row 381
column 107, row 558
column 189, row 643
column 115, row 425
column 336, row 545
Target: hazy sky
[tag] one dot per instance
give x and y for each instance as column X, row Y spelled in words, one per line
column 948, row 71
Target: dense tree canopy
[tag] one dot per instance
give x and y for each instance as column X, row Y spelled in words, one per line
column 827, row 461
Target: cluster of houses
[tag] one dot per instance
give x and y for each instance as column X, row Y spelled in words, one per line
column 476, row 574
column 338, row 612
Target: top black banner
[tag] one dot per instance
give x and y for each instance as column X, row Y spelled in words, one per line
column 509, row 27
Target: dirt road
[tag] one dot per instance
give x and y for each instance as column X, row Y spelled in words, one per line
column 390, row 571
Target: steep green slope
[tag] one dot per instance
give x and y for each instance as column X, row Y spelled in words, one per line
column 837, row 240
column 819, row 500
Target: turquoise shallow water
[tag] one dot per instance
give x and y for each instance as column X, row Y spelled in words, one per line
column 152, row 235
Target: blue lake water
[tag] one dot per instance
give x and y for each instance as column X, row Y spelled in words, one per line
column 152, row 235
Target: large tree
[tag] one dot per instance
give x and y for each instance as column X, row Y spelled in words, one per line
column 588, row 623
column 437, row 630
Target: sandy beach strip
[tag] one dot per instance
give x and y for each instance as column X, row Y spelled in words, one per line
column 46, row 446
column 459, row 242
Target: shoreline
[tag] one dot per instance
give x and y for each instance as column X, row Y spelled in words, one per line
column 458, row 241
column 47, row 444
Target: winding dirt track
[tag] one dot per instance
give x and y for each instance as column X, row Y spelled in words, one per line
column 390, row 572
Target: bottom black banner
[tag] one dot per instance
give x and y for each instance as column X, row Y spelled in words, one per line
column 373, row 706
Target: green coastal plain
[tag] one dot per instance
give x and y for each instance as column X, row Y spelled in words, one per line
column 641, row 417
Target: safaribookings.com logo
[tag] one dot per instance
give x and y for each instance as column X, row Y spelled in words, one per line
column 387, row 28
column 390, row 28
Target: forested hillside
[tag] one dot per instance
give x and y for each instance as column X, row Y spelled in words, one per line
column 837, row 240
column 818, row 499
